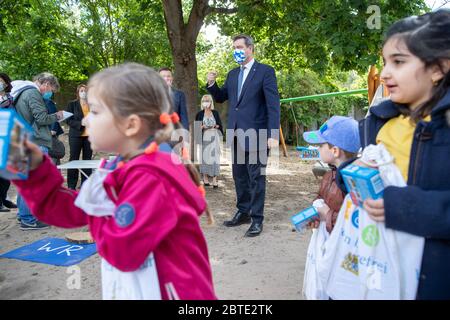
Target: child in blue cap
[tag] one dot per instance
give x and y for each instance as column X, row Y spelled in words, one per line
column 338, row 140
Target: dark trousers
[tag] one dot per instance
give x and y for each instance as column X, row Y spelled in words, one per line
column 78, row 144
column 250, row 181
column 4, row 186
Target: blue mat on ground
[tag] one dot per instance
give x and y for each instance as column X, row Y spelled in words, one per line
column 53, row 251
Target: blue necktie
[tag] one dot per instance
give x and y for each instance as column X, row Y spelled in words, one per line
column 240, row 80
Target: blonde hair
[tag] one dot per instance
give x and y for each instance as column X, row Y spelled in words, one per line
column 132, row 88
column 210, row 98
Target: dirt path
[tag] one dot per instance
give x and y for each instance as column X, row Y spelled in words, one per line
column 266, row 267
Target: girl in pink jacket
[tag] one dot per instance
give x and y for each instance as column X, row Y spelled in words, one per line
column 143, row 211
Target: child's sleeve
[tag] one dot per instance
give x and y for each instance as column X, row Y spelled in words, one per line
column 416, row 211
column 48, row 200
column 144, row 216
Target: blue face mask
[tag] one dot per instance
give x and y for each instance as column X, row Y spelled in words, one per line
column 47, row 95
column 239, row 56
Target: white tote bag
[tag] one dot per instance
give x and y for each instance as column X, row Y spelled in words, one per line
column 390, row 260
column 312, row 285
column 142, row 284
column 338, row 267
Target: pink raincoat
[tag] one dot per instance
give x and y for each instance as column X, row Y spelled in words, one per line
column 157, row 210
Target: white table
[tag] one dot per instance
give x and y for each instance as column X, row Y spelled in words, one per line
column 80, row 165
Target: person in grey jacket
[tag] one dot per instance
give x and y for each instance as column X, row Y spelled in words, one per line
column 28, row 99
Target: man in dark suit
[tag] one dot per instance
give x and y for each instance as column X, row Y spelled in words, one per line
column 252, row 129
column 178, row 97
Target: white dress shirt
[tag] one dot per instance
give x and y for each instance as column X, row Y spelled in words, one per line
column 247, row 69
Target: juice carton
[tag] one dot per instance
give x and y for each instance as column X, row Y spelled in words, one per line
column 308, row 153
column 362, row 183
column 301, row 219
column 14, row 158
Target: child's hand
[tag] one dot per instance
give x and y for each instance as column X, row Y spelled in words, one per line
column 360, row 163
column 36, row 154
column 323, row 210
column 375, row 209
column 313, row 224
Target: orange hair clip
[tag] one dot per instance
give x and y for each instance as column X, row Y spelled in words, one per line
column 165, row 118
column 202, row 191
column 153, row 147
column 175, row 117
column 120, row 164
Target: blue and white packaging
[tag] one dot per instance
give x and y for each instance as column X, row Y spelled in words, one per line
column 301, row 219
column 14, row 157
column 309, row 153
column 362, row 183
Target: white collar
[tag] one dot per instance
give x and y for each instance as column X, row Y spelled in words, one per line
column 249, row 65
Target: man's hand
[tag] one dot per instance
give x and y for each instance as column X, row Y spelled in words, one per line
column 272, row 143
column 211, row 78
column 59, row 115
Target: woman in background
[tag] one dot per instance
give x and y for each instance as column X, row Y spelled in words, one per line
column 78, row 138
column 212, row 132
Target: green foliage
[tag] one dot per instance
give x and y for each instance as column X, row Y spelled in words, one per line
column 75, row 38
column 316, row 34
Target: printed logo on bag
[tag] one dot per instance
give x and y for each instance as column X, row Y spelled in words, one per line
column 370, row 235
column 350, row 263
column 355, row 219
column 348, row 207
column 124, row 215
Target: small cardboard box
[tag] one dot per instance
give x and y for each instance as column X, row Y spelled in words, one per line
column 362, row 183
column 308, row 153
column 301, row 219
column 14, row 157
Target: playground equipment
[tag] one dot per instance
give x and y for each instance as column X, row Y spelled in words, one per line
column 376, row 92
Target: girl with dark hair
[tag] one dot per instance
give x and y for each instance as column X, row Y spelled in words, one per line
column 415, row 129
column 141, row 205
column 78, row 137
column 6, row 101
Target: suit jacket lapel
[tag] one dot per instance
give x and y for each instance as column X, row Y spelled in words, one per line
column 249, row 78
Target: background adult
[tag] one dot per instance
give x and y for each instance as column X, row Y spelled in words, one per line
column 29, row 103
column 178, row 97
column 5, row 102
column 212, row 132
column 78, row 138
column 253, row 104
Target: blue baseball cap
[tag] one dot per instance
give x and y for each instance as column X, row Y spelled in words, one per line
column 339, row 131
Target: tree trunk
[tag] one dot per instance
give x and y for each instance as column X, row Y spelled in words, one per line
column 182, row 38
column 186, row 77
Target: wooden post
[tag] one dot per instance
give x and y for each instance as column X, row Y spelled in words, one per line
column 282, row 142
column 373, row 81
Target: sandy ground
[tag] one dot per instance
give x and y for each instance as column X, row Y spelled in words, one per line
column 266, row 267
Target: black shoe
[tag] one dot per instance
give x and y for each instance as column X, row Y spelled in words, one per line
column 33, row 226
column 9, row 204
column 215, row 186
column 4, row 209
column 206, row 184
column 254, row 230
column 238, row 219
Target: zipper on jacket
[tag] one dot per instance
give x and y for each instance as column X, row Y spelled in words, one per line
column 420, row 136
